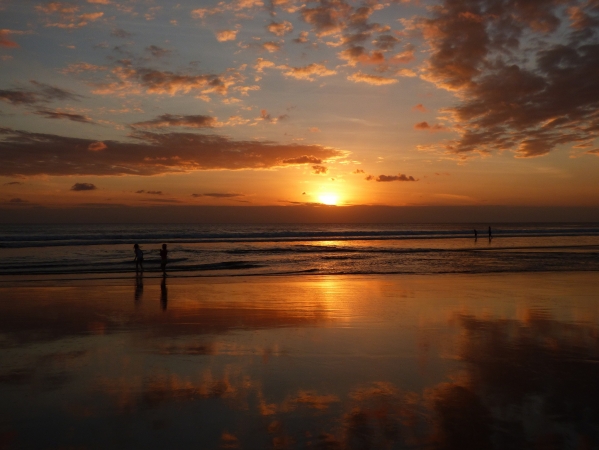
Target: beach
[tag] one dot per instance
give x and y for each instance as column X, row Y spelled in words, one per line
column 494, row 360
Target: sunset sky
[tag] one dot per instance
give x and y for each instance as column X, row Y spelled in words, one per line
column 285, row 102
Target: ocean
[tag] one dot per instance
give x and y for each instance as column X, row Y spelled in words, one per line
column 328, row 249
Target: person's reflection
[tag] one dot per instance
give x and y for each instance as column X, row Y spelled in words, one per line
column 139, row 289
column 163, row 294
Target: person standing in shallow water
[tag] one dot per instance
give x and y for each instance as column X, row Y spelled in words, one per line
column 139, row 259
column 490, row 234
column 163, row 259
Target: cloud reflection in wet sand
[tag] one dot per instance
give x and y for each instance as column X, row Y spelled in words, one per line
column 271, row 365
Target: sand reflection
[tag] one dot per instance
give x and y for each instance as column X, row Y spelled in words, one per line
column 343, row 363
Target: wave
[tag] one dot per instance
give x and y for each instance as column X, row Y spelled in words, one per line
column 73, row 236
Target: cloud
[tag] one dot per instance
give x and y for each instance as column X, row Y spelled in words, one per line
column 302, row 38
column 12, row 183
column 17, row 200
column 527, row 102
column 386, row 42
column 357, row 171
column 387, row 178
column 262, row 64
column 147, row 153
column 309, row 72
column 318, row 170
column 142, row 191
column 62, row 115
column 265, row 116
column 427, row 127
column 120, row 33
column 222, row 7
column 5, row 41
column 327, row 19
column 171, row 120
column 68, row 15
column 271, row 47
column 280, row 28
column 97, row 146
column 419, row 107
column 358, row 54
column 226, row 35
column 126, row 79
column 375, row 80
column 18, row 97
column 43, row 93
column 158, row 52
column 83, row 187
column 304, row 159
column 219, row 195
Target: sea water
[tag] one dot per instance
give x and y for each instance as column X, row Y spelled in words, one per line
column 210, row 250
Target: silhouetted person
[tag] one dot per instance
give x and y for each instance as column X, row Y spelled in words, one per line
column 163, row 259
column 163, row 294
column 475, row 235
column 139, row 288
column 490, row 234
column 139, row 259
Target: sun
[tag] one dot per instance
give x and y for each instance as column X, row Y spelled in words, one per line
column 328, row 198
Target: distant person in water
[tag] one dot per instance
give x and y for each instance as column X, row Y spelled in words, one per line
column 163, row 258
column 139, row 259
column 475, row 235
column 490, row 234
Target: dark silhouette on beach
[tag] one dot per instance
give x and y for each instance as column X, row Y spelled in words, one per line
column 475, row 235
column 163, row 259
column 490, row 234
column 139, row 288
column 163, row 294
column 139, row 259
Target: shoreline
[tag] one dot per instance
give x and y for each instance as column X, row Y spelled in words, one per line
column 124, row 279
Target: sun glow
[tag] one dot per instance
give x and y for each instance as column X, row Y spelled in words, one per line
column 328, row 198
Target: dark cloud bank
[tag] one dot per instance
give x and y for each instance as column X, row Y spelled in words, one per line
column 526, row 73
column 24, row 153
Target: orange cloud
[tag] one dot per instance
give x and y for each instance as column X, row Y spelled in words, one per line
column 309, row 72
column 5, row 41
column 375, row 80
column 226, row 35
column 97, row 146
column 68, row 15
column 271, row 47
column 280, row 28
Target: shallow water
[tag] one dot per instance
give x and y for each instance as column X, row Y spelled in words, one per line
column 438, row 361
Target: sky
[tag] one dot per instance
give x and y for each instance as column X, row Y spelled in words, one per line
column 281, row 102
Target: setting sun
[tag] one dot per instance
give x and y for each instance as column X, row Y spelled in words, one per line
column 328, row 198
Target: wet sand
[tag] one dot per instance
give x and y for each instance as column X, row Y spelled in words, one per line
column 422, row 361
